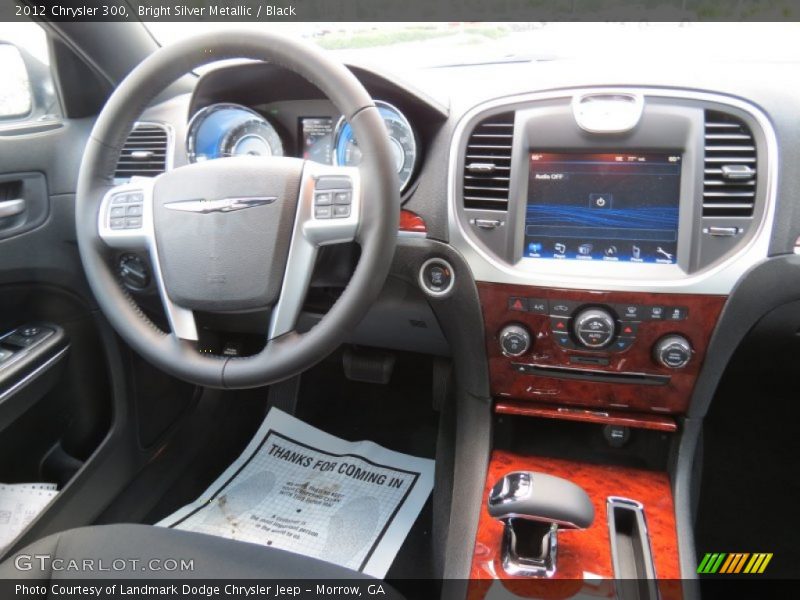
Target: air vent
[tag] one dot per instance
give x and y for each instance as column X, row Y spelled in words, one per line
column 487, row 164
column 144, row 152
column 729, row 186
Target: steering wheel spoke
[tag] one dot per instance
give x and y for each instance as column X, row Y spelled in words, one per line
column 125, row 222
column 328, row 212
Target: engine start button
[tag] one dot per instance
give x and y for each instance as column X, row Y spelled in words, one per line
column 436, row 277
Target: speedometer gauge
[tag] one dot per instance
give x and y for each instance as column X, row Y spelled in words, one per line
column 402, row 143
column 223, row 130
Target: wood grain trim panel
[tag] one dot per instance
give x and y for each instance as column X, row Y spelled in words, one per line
column 671, row 398
column 412, row 222
column 605, row 417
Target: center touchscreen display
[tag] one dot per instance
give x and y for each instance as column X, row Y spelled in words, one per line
column 603, row 207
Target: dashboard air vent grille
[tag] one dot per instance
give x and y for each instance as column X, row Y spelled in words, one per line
column 487, row 163
column 144, row 152
column 729, row 180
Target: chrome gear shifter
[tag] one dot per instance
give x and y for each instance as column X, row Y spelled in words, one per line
column 532, row 506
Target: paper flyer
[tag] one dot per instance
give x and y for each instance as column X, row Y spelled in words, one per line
column 300, row 489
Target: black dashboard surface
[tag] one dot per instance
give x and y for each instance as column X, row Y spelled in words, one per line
column 435, row 99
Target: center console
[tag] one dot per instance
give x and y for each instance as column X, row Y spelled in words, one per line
column 605, row 229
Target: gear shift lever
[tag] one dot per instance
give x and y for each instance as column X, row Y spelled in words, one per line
column 532, row 506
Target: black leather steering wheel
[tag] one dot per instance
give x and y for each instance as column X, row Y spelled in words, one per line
column 237, row 234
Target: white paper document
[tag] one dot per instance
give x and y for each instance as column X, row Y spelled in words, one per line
column 19, row 505
column 300, row 489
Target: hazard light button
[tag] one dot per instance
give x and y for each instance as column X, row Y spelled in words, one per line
column 518, row 304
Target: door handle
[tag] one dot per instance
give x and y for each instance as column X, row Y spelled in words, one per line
column 12, row 208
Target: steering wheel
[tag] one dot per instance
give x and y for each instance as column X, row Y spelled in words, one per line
column 237, row 234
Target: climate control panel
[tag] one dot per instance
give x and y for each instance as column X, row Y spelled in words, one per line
column 621, row 350
column 596, row 327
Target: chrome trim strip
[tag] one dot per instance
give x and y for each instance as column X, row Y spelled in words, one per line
column 719, row 279
column 33, row 375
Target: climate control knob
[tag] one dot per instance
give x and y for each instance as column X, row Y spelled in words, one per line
column 673, row 351
column 594, row 327
column 515, row 340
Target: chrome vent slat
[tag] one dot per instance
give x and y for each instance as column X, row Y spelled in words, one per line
column 729, row 172
column 728, row 136
column 144, row 152
column 721, row 183
column 487, row 163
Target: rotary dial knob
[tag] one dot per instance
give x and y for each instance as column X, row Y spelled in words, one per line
column 594, row 327
column 515, row 340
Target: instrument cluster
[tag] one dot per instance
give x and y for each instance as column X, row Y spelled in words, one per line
column 228, row 129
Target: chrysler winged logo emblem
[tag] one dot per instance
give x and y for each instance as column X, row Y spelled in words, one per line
column 223, row 205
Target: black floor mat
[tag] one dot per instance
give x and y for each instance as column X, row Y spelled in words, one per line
column 398, row 416
column 750, row 490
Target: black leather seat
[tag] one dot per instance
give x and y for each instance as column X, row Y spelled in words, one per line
column 212, row 557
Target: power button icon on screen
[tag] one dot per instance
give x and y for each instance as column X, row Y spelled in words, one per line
column 600, row 200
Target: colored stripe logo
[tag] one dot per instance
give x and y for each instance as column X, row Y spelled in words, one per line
column 734, row 563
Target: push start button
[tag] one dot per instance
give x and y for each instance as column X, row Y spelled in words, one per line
column 436, row 276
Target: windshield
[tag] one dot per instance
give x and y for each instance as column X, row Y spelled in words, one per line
column 418, row 45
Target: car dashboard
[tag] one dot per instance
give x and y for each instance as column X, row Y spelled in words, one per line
column 603, row 225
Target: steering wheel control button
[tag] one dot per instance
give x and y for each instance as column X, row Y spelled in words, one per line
column 342, row 198
column 594, row 327
column 515, row 340
column 341, row 211
column 673, row 351
column 322, row 212
column 323, row 199
column 436, row 276
column 125, row 211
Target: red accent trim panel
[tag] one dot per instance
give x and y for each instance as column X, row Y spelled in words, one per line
column 410, row 221
column 671, row 398
column 606, row 417
column 584, row 556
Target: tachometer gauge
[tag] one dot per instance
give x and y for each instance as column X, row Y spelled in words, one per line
column 223, row 130
column 402, row 142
